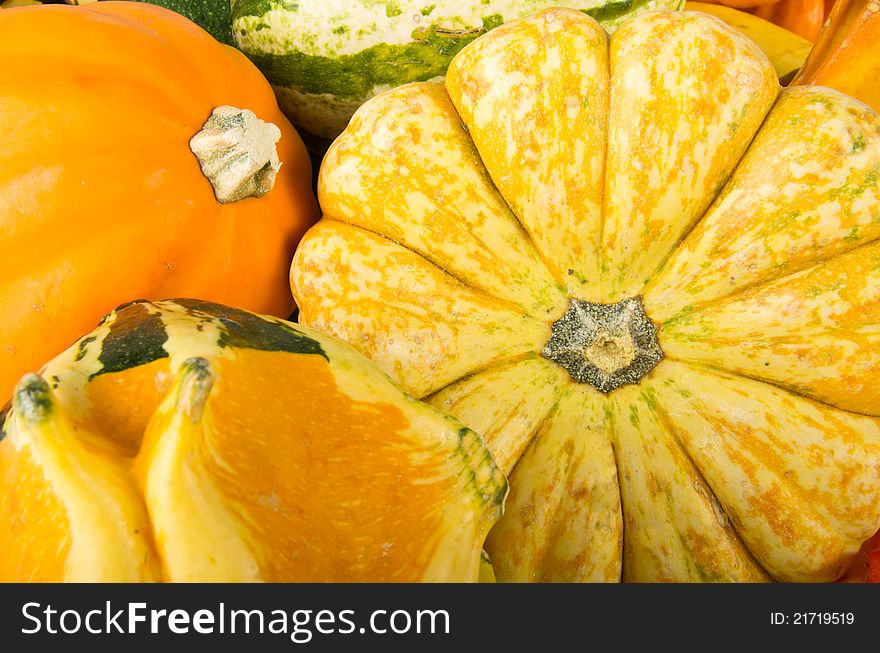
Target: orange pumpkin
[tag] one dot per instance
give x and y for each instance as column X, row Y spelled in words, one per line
column 865, row 567
column 186, row 441
column 846, row 53
column 103, row 201
column 803, row 17
column 743, row 4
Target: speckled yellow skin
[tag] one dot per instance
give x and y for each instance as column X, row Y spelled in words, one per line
column 662, row 162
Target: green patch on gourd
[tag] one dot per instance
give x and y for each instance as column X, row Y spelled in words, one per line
column 355, row 75
column 257, row 7
column 33, row 399
column 213, row 16
column 488, row 481
column 614, row 10
column 136, row 337
column 859, row 143
column 4, row 411
column 242, row 330
column 634, row 416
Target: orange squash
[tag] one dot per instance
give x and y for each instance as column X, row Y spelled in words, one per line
column 803, row 17
column 865, row 567
column 743, row 4
column 846, row 55
column 186, row 441
column 873, row 563
column 102, row 200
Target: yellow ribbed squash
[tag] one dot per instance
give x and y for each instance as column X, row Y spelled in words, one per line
column 645, row 274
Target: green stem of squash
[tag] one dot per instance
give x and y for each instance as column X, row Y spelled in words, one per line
column 604, row 345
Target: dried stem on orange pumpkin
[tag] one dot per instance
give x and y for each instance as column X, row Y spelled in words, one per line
column 236, row 151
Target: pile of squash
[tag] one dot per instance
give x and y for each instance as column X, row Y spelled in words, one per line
column 590, row 307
